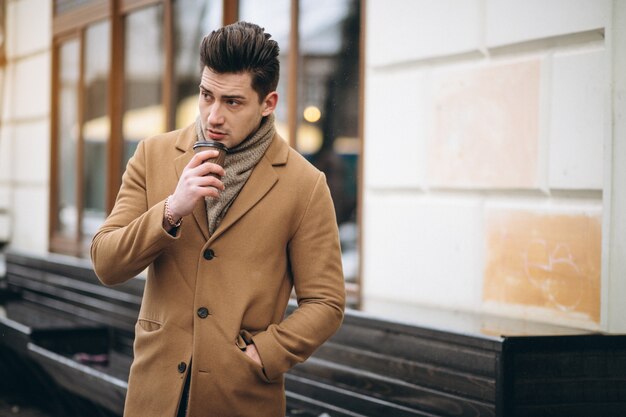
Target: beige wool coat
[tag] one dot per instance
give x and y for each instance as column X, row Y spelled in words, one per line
column 203, row 294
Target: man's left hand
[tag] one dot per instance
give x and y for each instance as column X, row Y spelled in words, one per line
column 253, row 354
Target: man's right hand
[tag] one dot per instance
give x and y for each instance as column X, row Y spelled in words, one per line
column 194, row 184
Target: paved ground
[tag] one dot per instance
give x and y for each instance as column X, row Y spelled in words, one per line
column 11, row 406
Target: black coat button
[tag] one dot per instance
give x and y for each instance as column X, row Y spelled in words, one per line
column 203, row 312
column 208, row 254
column 181, row 367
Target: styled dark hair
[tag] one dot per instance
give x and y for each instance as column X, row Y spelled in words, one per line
column 243, row 47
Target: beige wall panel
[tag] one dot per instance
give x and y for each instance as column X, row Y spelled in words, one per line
column 29, row 27
column 6, row 154
column 404, row 31
column 512, row 21
column 550, row 261
column 485, row 127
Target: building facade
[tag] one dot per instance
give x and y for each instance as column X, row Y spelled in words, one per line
column 475, row 149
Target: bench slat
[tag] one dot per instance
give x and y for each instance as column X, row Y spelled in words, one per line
column 419, row 373
column 392, row 389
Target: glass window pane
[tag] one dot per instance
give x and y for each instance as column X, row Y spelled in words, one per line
column 328, row 106
column 192, row 20
column 143, row 68
column 96, row 125
column 67, row 134
column 275, row 17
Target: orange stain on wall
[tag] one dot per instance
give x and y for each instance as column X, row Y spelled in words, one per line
column 551, row 261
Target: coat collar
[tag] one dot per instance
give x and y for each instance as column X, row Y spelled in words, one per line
column 259, row 183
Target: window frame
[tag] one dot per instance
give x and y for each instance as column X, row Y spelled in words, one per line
column 57, row 242
column 71, row 25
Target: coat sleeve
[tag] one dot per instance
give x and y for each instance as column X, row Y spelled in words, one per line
column 315, row 259
column 133, row 235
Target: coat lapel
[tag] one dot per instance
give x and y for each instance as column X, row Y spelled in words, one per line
column 261, row 181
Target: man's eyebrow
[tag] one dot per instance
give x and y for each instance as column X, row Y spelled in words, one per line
column 225, row 96
column 233, row 96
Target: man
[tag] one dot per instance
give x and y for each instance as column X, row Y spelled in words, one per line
column 225, row 250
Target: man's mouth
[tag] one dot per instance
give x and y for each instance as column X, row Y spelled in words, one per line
column 216, row 134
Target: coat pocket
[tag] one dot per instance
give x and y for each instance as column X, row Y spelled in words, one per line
column 243, row 340
column 149, row 325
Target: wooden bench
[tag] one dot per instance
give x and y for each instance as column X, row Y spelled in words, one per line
column 434, row 363
column 440, row 363
column 78, row 332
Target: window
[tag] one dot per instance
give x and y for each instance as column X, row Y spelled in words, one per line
column 144, row 69
column 114, row 84
column 128, row 69
column 192, row 20
column 81, row 133
column 95, row 126
column 275, row 17
column 328, row 109
column 65, row 212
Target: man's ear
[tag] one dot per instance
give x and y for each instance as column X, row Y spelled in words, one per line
column 269, row 103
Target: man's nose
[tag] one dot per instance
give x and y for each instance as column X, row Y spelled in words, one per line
column 216, row 115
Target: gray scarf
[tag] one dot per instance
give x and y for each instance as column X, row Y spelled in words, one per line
column 238, row 166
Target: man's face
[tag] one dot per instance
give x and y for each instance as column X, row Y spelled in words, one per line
column 229, row 108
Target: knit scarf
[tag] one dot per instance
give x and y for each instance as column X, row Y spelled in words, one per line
column 238, row 166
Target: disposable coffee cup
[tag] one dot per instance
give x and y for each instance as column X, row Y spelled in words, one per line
column 217, row 146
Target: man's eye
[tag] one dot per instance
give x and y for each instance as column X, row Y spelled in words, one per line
column 233, row 103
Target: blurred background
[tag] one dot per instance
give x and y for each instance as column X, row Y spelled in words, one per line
column 474, row 149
